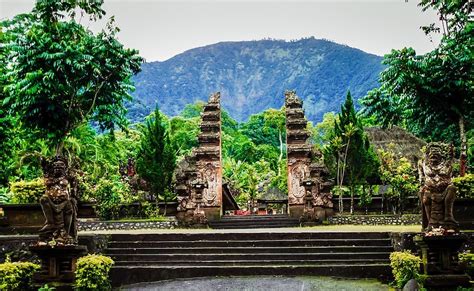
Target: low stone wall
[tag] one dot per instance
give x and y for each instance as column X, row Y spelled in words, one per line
column 406, row 219
column 126, row 225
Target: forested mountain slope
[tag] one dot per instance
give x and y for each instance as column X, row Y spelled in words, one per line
column 253, row 75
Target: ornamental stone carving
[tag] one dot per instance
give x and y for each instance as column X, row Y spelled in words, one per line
column 59, row 203
column 437, row 192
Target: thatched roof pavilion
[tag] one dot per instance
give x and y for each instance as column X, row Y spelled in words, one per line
column 404, row 143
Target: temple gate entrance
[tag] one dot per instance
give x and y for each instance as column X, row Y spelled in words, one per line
column 199, row 183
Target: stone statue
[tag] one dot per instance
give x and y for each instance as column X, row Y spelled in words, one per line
column 437, row 192
column 59, row 203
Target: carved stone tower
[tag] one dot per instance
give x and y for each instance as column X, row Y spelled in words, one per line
column 199, row 175
column 309, row 196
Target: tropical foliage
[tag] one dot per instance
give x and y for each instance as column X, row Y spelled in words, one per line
column 398, row 172
column 157, row 156
column 61, row 74
column 353, row 158
column 92, row 273
column 431, row 94
column 405, row 266
column 17, row 275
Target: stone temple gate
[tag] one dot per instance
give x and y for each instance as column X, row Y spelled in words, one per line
column 199, row 175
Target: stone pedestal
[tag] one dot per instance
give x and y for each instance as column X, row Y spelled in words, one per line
column 440, row 261
column 58, row 264
column 295, row 211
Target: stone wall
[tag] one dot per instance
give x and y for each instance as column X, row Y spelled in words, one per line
column 407, row 219
column 126, row 225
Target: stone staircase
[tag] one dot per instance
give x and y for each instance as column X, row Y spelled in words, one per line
column 254, row 221
column 154, row 257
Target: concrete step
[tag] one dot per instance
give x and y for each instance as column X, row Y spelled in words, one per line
column 248, row 256
column 250, row 250
column 252, row 243
column 121, row 275
column 252, row 226
column 254, row 221
column 249, row 262
column 257, row 235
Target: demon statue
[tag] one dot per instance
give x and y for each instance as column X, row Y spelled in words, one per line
column 437, row 192
column 59, row 203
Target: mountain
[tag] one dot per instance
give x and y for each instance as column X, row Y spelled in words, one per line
column 253, row 76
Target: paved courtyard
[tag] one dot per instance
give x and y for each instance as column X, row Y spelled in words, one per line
column 262, row 283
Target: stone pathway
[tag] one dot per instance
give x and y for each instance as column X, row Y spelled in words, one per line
column 261, row 283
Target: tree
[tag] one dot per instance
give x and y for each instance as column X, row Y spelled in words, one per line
column 184, row 132
column 61, row 74
column 322, row 133
column 355, row 157
column 399, row 174
column 431, row 94
column 6, row 125
column 156, row 159
column 275, row 121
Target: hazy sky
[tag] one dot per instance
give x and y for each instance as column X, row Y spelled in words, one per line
column 161, row 29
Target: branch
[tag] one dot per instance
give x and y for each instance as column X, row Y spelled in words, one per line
column 96, row 94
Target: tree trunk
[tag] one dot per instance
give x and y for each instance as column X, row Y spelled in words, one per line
column 341, row 204
column 352, row 200
column 59, row 148
column 281, row 152
column 463, row 155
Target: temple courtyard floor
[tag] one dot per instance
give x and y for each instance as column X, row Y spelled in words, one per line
column 320, row 228
column 261, row 283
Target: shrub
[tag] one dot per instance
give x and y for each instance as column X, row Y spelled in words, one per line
column 405, row 266
column 467, row 258
column 5, row 195
column 27, row 191
column 92, row 273
column 109, row 193
column 465, row 186
column 17, row 275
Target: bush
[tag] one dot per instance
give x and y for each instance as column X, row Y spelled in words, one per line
column 110, row 193
column 5, row 195
column 465, row 186
column 405, row 266
column 17, row 276
column 468, row 259
column 92, row 273
column 27, row 191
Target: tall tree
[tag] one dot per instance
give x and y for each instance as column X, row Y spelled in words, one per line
column 356, row 159
column 431, row 94
column 156, row 159
column 61, row 74
column 6, row 123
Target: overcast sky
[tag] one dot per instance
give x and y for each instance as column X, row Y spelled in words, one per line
column 161, row 29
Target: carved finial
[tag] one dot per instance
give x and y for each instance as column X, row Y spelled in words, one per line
column 292, row 99
column 215, row 97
